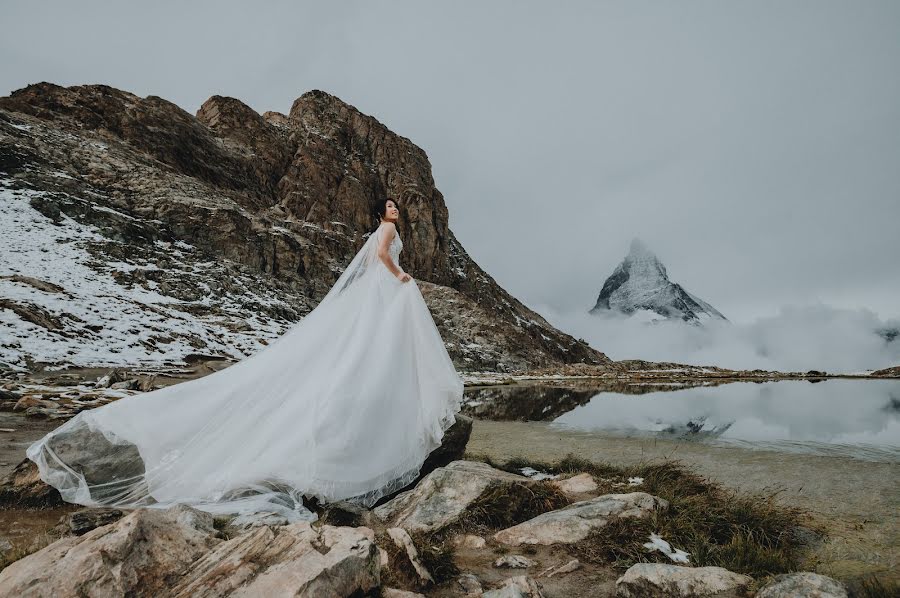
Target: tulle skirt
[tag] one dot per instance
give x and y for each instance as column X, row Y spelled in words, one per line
column 346, row 405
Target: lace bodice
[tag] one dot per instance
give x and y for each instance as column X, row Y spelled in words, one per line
column 394, row 249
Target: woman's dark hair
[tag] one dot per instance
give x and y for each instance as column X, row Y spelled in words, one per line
column 379, row 208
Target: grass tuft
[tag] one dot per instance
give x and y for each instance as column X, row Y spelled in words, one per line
column 746, row 533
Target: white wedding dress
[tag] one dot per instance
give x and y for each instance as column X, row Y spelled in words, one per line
column 346, row 405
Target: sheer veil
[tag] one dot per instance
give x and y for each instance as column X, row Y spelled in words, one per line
column 362, row 262
column 345, row 405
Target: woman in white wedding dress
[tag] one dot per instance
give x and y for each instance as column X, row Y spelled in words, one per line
column 346, row 405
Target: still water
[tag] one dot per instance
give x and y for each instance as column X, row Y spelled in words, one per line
column 859, row 419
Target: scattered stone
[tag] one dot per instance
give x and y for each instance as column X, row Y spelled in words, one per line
column 469, row 584
column 393, row 593
column 650, row 580
column 443, row 495
column 132, row 384
column 81, row 522
column 579, row 484
column 469, row 541
column 574, row 522
column 513, row 561
column 5, row 546
column 404, row 542
column 802, row 584
column 23, row 487
column 572, row 565
column 516, row 587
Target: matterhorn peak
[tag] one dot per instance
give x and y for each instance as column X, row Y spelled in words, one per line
column 638, row 247
column 640, row 284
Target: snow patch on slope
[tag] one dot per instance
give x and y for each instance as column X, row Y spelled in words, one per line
column 93, row 319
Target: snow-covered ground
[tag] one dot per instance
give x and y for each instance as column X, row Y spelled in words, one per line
column 62, row 304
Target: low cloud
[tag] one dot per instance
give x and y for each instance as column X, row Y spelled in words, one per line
column 798, row 338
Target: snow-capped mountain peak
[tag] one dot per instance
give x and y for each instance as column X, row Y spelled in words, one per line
column 640, row 283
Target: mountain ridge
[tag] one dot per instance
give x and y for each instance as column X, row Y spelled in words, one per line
column 277, row 202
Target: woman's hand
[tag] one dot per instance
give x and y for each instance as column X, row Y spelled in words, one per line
column 404, row 277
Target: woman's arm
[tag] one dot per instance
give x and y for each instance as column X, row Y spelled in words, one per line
column 389, row 231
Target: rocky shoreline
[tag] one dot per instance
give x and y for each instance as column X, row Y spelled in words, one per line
column 61, row 393
column 467, row 528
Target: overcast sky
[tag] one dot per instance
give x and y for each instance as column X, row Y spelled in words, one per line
column 754, row 146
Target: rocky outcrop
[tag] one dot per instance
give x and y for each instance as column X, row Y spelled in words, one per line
column 290, row 560
column 282, row 199
column 139, row 555
column 177, row 552
column 573, row 523
column 640, row 284
column 651, row 580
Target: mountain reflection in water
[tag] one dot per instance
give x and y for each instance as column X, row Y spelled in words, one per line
column 855, row 418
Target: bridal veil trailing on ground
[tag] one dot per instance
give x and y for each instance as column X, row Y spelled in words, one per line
column 346, row 405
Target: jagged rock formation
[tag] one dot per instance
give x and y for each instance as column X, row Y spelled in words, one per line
column 640, row 283
column 213, row 234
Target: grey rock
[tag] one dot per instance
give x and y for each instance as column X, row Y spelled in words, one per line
column 516, row 587
column 574, row 522
column 469, row 584
column 443, row 495
column 802, row 585
column 85, row 520
column 138, row 555
column 653, row 580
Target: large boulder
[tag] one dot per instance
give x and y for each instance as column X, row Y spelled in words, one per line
column 178, row 552
column 811, row 585
column 444, row 495
column 654, row 580
column 574, row 522
column 289, row 560
column 139, row 555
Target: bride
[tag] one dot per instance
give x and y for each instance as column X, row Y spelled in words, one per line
column 346, row 405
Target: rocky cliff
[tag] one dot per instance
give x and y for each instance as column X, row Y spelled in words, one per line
column 139, row 233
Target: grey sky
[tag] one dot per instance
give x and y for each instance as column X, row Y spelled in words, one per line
column 754, row 146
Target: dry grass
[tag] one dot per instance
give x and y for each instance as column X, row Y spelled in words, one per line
column 873, row 587
column 748, row 534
